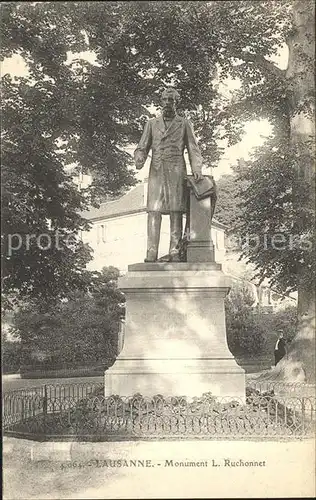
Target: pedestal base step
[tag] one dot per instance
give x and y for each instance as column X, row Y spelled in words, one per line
column 175, row 377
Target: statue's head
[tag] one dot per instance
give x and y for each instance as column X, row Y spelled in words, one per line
column 169, row 99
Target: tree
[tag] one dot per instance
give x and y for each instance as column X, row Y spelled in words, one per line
column 245, row 335
column 300, row 76
column 47, row 125
column 228, row 205
column 279, row 202
column 252, row 334
column 81, row 331
column 225, row 211
column 85, row 114
column 11, row 352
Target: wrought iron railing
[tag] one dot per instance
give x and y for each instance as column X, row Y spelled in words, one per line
column 20, row 405
column 77, row 390
column 65, row 415
column 282, row 388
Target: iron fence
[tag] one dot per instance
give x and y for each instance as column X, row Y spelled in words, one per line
column 77, row 390
column 282, row 388
column 20, row 405
column 95, row 417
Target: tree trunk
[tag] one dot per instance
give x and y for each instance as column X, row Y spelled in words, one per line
column 299, row 364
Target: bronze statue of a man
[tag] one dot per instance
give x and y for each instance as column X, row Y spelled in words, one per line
column 167, row 136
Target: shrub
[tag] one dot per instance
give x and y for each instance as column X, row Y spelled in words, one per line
column 245, row 335
column 11, row 355
column 285, row 319
column 253, row 334
column 82, row 331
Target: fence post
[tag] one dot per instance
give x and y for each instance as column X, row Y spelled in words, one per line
column 303, row 415
column 45, row 408
column 23, row 410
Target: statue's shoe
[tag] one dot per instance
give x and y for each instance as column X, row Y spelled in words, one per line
column 164, row 258
column 151, row 255
column 174, row 258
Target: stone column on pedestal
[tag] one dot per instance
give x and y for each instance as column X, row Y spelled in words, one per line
column 200, row 245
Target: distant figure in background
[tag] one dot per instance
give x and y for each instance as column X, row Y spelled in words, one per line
column 280, row 348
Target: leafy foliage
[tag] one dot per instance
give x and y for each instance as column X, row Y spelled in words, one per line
column 81, row 331
column 244, row 334
column 11, row 355
column 83, row 114
column 252, row 334
column 228, row 208
column 278, row 199
column 267, row 218
column 283, row 319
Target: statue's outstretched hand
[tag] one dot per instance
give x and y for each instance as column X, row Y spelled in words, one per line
column 139, row 164
column 140, row 159
column 197, row 176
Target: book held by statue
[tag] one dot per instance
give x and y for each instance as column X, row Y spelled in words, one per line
column 202, row 188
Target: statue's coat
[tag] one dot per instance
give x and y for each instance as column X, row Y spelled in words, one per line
column 167, row 174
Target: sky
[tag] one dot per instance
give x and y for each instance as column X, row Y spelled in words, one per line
column 256, row 131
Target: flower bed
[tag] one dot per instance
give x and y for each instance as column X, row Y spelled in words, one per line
column 97, row 417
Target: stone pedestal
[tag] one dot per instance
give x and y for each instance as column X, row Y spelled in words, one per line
column 175, row 336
